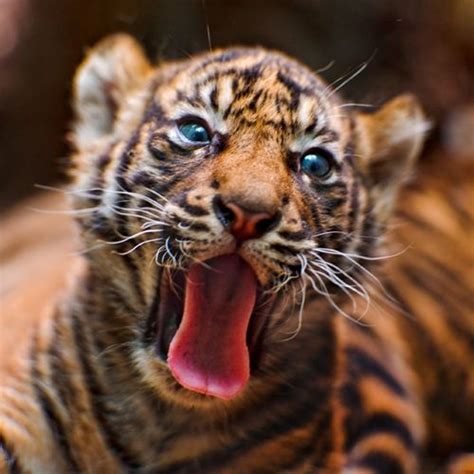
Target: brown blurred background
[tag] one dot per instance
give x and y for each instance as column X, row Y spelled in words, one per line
column 426, row 46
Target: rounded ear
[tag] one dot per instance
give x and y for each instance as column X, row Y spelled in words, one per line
column 112, row 69
column 388, row 143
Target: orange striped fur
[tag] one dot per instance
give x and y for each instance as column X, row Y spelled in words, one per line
column 371, row 373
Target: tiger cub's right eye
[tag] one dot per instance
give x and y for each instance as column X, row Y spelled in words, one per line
column 194, row 132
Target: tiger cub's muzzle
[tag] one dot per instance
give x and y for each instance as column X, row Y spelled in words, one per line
column 212, row 316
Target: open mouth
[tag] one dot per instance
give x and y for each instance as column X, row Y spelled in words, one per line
column 210, row 324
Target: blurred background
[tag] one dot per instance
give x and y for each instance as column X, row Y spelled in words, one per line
column 423, row 46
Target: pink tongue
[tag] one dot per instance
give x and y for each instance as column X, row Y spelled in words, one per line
column 209, row 353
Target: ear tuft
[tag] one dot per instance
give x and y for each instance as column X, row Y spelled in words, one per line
column 113, row 69
column 389, row 142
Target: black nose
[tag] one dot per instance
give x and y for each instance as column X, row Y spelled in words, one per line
column 242, row 223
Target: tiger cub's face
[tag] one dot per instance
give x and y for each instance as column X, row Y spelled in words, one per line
column 215, row 187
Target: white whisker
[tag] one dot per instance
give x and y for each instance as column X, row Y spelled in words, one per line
column 325, row 68
column 67, row 212
column 300, row 312
column 138, row 246
column 131, row 237
column 355, row 104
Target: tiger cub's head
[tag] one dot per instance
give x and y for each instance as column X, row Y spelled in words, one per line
column 210, row 189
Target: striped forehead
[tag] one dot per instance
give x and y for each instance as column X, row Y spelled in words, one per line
column 250, row 87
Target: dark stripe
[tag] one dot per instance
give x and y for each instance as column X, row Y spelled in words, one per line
column 323, row 438
column 442, row 292
column 135, row 278
column 311, row 127
column 283, row 249
column 309, row 199
column 332, row 203
column 111, row 293
column 428, row 227
column 177, row 149
column 185, row 172
column 352, row 401
column 243, row 122
column 290, row 404
column 328, row 135
column 226, row 56
column 8, row 457
column 293, row 88
column 126, row 158
column 151, row 111
column 96, row 395
column 381, row 423
column 278, row 125
column 195, row 210
column 145, row 179
column 425, row 345
column 99, row 225
column 400, row 302
column 370, row 232
column 250, row 76
column 151, row 325
column 195, row 226
column 158, row 153
column 195, row 100
column 346, row 235
column 349, row 151
column 293, row 236
column 245, row 80
column 421, row 224
column 167, row 170
column 317, row 447
column 213, row 99
column 252, row 105
column 59, row 376
column 296, row 416
column 105, row 159
column 353, row 205
column 362, row 364
column 315, row 214
column 102, row 162
column 122, row 223
column 51, row 416
column 381, row 463
column 454, row 284
column 350, row 397
column 231, row 54
column 321, row 186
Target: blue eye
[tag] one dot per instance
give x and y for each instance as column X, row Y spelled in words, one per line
column 317, row 162
column 194, row 132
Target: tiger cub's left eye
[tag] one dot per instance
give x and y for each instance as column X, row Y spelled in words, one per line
column 194, row 132
column 317, row 162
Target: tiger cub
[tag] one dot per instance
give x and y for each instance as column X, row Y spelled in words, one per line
column 234, row 308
